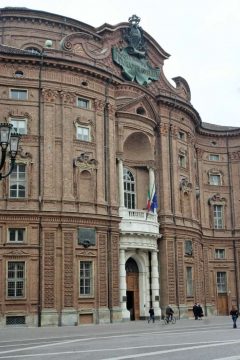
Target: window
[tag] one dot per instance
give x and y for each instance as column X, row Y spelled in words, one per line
column 221, row 282
column 18, row 94
column 218, row 216
column 83, row 133
column 214, row 157
column 189, row 281
column 86, row 278
column 188, row 247
column 17, row 181
column 83, row 103
column 181, row 135
column 16, row 235
column 129, row 189
column 182, row 160
column 219, row 253
column 15, row 279
column 19, row 126
column 214, row 179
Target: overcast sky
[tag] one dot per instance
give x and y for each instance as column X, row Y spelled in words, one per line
column 201, row 36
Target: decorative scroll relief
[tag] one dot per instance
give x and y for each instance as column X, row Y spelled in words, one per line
column 86, row 45
column 185, row 185
column 49, row 95
column 216, row 199
column 235, row 155
column 85, row 162
column 68, row 98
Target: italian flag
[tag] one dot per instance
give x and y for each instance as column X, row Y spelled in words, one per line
column 150, row 199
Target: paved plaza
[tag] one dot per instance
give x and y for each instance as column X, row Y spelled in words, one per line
column 208, row 339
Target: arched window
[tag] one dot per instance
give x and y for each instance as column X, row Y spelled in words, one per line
column 129, row 189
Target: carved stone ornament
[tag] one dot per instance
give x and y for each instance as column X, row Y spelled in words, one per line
column 216, row 199
column 132, row 59
column 235, row 155
column 49, row 95
column 86, row 45
column 85, row 161
column 68, row 98
column 185, row 185
column 24, row 155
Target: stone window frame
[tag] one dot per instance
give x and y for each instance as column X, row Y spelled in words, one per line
column 213, row 155
column 84, row 100
column 218, row 251
column 182, row 158
column 188, row 247
column 81, row 122
column 17, row 181
column 16, row 241
column 217, row 200
column 215, row 172
column 91, row 293
column 15, row 280
column 181, row 135
column 133, row 193
column 20, row 90
column 18, row 119
column 189, row 284
column 221, row 284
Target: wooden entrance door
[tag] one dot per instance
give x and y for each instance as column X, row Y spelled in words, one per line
column 132, row 281
column 222, row 304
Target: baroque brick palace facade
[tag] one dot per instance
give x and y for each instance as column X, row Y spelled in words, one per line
column 121, row 198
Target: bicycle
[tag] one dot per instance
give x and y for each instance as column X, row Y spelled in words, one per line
column 169, row 320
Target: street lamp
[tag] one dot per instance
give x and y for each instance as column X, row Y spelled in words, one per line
column 11, row 140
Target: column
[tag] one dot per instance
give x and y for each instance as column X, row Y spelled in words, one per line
column 155, row 283
column 123, row 286
column 151, row 180
column 120, row 183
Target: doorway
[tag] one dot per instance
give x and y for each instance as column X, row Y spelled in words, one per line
column 132, row 289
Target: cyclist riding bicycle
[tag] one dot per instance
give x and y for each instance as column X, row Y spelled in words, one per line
column 169, row 313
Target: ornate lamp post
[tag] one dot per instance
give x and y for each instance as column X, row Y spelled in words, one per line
column 7, row 139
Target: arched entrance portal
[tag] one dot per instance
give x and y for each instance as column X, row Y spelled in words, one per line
column 132, row 289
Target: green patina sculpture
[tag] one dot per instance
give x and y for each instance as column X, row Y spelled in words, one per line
column 132, row 59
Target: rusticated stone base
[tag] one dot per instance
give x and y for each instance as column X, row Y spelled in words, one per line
column 49, row 317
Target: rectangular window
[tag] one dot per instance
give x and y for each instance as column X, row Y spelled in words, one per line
column 215, row 179
column 214, row 157
column 218, row 216
column 18, row 94
column 83, row 133
column 221, row 282
column 188, row 247
column 19, row 126
column 181, row 135
column 182, row 161
column 219, row 253
column 15, row 279
column 83, row 103
column 16, row 235
column 189, row 281
column 17, row 181
column 86, row 278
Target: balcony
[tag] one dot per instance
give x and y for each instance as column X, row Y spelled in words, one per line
column 138, row 221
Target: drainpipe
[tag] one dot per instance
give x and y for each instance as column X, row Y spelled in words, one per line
column 39, row 191
column 107, row 193
column 172, row 197
column 232, row 221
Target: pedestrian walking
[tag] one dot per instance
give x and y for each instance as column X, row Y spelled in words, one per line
column 151, row 315
column 200, row 312
column 195, row 311
column 234, row 314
